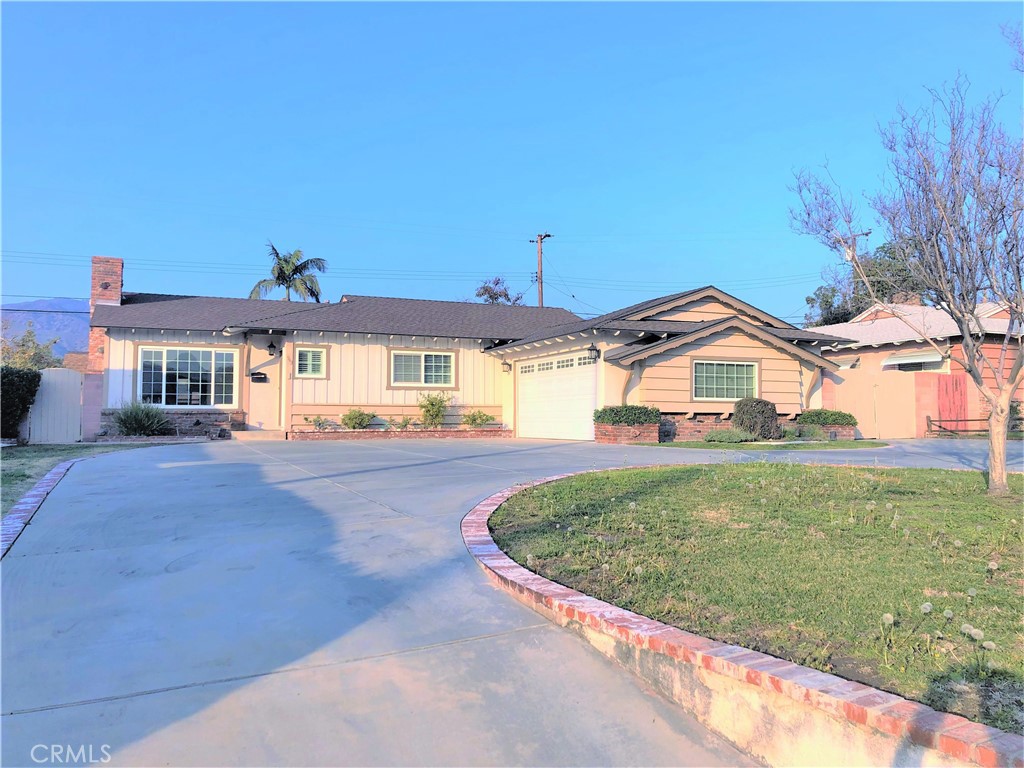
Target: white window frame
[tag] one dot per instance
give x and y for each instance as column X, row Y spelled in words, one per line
column 422, row 383
column 693, row 380
column 322, row 373
column 188, row 348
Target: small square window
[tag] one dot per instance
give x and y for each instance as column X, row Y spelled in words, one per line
column 310, row 363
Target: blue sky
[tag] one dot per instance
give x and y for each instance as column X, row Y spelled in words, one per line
column 419, row 147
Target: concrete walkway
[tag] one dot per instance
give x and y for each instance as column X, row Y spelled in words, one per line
column 313, row 604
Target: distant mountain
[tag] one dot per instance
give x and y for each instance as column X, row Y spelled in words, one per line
column 52, row 318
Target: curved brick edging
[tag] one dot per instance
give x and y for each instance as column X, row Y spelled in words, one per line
column 21, row 514
column 778, row 711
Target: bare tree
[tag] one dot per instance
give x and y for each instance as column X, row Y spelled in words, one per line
column 953, row 211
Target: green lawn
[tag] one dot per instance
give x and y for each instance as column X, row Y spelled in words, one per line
column 832, row 445
column 803, row 562
column 21, row 467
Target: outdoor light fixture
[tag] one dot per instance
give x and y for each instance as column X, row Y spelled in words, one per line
column 506, row 366
column 593, row 353
column 272, row 349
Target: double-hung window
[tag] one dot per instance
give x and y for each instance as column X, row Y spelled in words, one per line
column 187, row 377
column 310, row 363
column 422, row 369
column 724, row 380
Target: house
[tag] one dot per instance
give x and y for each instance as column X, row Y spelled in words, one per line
column 893, row 380
column 272, row 365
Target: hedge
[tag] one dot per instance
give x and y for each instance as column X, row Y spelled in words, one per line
column 827, row 418
column 758, row 417
column 18, row 387
column 630, row 415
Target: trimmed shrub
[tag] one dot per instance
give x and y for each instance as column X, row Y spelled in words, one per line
column 825, row 417
column 320, row 423
column 477, row 419
column 433, row 407
column 141, row 420
column 730, row 435
column 400, row 424
column 630, row 415
column 758, row 417
column 18, row 387
column 357, row 419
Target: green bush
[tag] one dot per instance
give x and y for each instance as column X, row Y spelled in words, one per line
column 400, row 424
column 433, row 407
column 825, row 417
column 320, row 423
column 477, row 419
column 141, row 420
column 810, row 432
column 730, row 435
column 18, row 387
column 758, row 417
column 1016, row 422
column 630, row 415
column 357, row 419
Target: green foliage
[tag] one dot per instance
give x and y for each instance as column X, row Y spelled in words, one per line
column 400, row 424
column 630, row 415
column 357, row 419
column 497, row 291
column 433, row 408
column 141, row 420
column 18, row 387
column 827, row 418
column 845, row 296
column 320, row 423
column 293, row 272
column 758, row 417
column 1015, row 421
column 26, row 351
column 815, row 556
column 730, row 435
column 477, row 419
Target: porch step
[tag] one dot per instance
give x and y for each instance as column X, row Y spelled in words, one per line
column 258, row 434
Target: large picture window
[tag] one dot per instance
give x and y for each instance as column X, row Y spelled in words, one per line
column 183, row 377
column 422, row 369
column 724, row 381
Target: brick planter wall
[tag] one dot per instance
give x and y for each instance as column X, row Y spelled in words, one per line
column 677, row 427
column 211, row 422
column 626, row 434
column 394, row 434
column 842, row 432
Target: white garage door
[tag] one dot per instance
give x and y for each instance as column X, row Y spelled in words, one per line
column 557, row 397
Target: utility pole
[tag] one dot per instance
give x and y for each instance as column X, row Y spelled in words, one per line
column 540, row 266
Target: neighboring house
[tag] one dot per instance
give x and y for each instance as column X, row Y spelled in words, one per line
column 893, row 380
column 270, row 365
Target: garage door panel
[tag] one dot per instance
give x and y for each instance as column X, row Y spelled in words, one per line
column 557, row 397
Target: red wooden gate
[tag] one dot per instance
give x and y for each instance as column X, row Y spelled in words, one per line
column 953, row 399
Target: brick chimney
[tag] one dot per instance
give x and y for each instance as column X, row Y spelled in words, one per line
column 107, row 284
column 107, row 280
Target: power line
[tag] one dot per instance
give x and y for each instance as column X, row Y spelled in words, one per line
column 47, row 311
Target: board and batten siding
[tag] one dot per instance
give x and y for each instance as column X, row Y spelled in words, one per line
column 121, row 384
column 666, row 381
column 358, row 376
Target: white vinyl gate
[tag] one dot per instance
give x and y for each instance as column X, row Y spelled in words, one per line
column 56, row 414
column 557, row 396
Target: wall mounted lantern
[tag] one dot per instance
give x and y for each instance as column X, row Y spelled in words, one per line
column 506, row 366
column 272, row 349
column 593, row 353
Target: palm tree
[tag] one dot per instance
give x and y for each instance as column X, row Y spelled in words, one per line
column 292, row 272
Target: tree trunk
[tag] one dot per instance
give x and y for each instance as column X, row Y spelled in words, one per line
column 998, row 422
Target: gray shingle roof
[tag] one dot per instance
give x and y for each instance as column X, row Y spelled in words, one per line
column 354, row 314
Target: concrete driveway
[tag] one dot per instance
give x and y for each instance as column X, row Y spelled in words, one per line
column 313, row 604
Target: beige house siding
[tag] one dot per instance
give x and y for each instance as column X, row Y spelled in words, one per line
column 666, row 378
column 358, row 377
column 704, row 309
column 122, row 359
